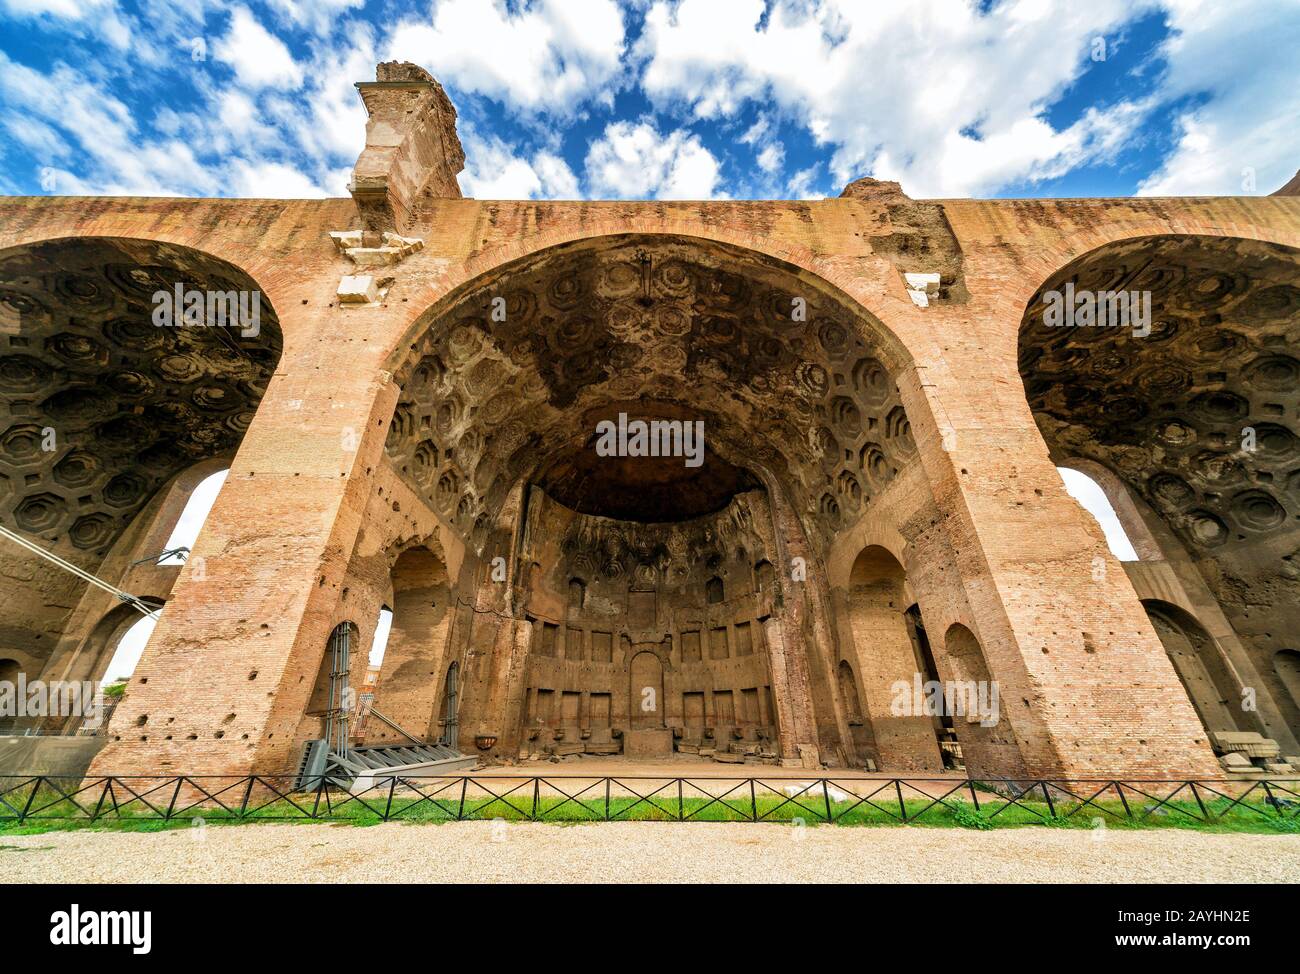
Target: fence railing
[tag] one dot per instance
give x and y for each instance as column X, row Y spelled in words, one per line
column 813, row 799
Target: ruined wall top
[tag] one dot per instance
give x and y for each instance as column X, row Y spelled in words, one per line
column 879, row 190
column 1292, row 188
column 412, row 149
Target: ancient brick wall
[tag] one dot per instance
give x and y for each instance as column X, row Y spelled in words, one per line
column 1094, row 691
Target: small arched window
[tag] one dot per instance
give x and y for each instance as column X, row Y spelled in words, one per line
column 577, row 593
column 713, row 590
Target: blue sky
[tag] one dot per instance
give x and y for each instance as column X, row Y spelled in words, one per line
column 650, row 99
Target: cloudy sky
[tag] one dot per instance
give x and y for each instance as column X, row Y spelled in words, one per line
column 652, row 99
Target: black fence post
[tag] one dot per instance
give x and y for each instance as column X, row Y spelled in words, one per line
column 1047, row 794
column 100, row 802
column 392, row 786
column 171, row 805
column 30, row 798
column 1119, row 788
column 753, row 802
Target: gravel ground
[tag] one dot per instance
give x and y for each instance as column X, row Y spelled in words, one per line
column 695, row 852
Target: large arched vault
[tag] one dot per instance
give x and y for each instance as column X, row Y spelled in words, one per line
column 510, row 381
column 1195, row 411
column 102, row 406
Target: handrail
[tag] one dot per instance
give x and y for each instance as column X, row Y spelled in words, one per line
column 372, row 712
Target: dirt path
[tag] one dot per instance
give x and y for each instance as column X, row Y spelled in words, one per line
column 643, row 852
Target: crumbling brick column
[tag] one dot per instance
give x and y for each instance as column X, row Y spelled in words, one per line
column 226, row 677
column 1081, row 673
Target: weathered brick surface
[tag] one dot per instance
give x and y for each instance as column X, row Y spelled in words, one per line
column 981, row 525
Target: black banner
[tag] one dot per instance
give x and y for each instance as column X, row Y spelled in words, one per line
column 138, row 924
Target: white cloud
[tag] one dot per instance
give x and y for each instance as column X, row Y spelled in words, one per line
column 546, row 55
column 258, row 57
column 1243, row 57
column 634, row 161
column 101, row 15
column 495, row 171
column 62, row 110
column 802, row 184
column 318, row 16
column 893, row 87
column 271, row 180
column 39, row 138
column 63, row 9
column 327, row 118
column 771, row 157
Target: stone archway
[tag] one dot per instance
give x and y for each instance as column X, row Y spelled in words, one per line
column 106, row 407
column 859, row 721
column 502, row 401
column 1204, row 673
column 416, row 650
column 1196, row 415
column 890, row 663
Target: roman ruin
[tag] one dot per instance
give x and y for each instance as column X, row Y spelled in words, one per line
column 414, row 425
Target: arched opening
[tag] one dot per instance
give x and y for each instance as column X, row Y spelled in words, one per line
column 190, row 522
column 864, row 744
column 135, row 631
column 891, row 648
column 113, row 390
column 646, row 704
column 449, row 710
column 640, row 406
column 577, row 593
column 1286, row 664
column 415, row 648
column 1093, row 499
column 982, row 730
column 130, row 647
column 1189, row 396
column 1213, row 690
column 332, row 706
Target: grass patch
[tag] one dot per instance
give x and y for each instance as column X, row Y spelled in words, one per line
column 51, row 813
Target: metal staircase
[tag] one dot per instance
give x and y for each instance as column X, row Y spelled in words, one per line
column 359, row 768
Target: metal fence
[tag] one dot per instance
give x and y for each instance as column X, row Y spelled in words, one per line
column 814, row 799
